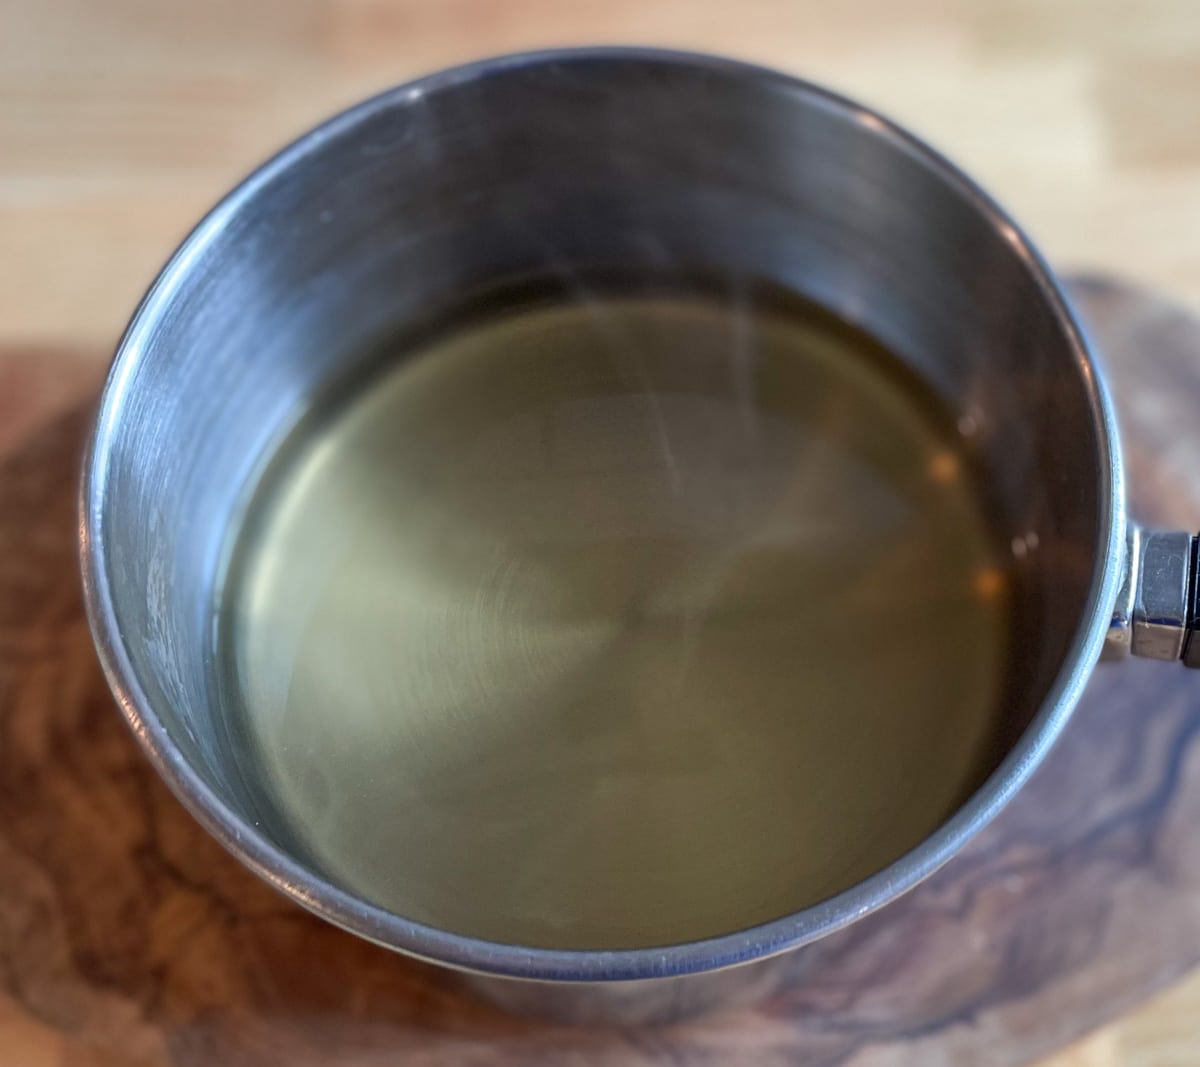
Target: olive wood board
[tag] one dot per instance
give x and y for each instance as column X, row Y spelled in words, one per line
column 128, row 937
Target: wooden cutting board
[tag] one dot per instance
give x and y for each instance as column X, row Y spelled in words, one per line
column 127, row 937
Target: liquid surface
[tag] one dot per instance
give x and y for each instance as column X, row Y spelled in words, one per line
column 617, row 625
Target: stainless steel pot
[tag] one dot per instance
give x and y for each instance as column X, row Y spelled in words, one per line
column 558, row 162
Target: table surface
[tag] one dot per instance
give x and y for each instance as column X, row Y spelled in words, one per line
column 121, row 121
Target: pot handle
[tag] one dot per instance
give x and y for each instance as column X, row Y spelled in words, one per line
column 1158, row 608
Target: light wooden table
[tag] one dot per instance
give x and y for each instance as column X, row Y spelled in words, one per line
column 122, row 120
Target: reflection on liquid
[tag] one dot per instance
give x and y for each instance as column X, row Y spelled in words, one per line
column 621, row 625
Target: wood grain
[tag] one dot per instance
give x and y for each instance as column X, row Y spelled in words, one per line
column 122, row 120
column 128, row 937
